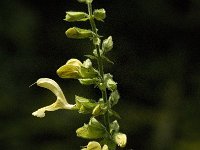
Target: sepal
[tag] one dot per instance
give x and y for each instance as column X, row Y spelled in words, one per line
column 93, row 130
column 84, row 105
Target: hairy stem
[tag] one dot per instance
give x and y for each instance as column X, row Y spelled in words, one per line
column 100, row 64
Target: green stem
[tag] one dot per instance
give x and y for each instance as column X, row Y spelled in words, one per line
column 100, row 64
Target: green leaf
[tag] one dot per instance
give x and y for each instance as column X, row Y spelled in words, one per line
column 114, row 98
column 78, row 33
column 107, row 44
column 93, row 130
column 76, row 16
column 99, row 14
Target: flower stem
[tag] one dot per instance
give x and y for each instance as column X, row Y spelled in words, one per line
column 100, row 65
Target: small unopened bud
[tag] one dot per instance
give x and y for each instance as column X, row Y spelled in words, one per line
column 105, row 147
column 99, row 14
column 107, row 44
column 75, row 16
column 77, row 33
column 120, row 139
column 93, row 146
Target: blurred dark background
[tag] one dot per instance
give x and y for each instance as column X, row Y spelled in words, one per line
column 157, row 67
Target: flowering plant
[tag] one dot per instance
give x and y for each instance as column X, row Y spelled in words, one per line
column 102, row 132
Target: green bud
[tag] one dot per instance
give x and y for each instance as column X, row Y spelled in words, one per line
column 114, row 98
column 99, row 14
column 114, row 126
column 107, row 44
column 110, row 83
column 120, row 139
column 93, row 146
column 75, row 16
column 70, row 70
column 77, row 33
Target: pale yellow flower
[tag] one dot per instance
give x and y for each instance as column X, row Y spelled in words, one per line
column 60, row 103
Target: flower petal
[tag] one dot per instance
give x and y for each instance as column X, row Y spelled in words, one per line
column 61, row 102
column 52, row 86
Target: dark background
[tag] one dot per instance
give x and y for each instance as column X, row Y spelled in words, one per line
column 157, row 67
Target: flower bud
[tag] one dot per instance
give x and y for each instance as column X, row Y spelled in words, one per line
column 77, row 33
column 93, row 146
column 120, row 139
column 75, row 16
column 105, row 147
column 70, row 70
column 107, row 44
column 99, row 14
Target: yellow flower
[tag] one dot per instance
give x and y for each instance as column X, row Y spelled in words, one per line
column 93, row 145
column 72, row 69
column 60, row 103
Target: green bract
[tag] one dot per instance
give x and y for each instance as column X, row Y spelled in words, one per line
column 99, row 14
column 77, row 33
column 75, row 16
